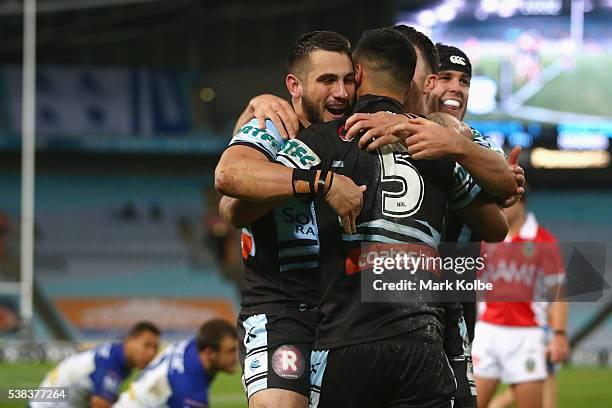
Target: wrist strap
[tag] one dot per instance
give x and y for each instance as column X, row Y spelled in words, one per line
column 310, row 183
column 325, row 180
column 560, row 333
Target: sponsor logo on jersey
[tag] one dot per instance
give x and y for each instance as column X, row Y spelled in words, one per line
column 246, row 244
column 455, row 59
column 300, row 153
column 257, row 133
column 288, row 362
column 298, row 217
column 110, row 384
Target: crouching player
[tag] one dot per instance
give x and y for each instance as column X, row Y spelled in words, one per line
column 181, row 375
column 93, row 378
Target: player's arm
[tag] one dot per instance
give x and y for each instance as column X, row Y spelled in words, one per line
column 98, row 402
column 272, row 107
column 240, row 213
column 247, row 174
column 484, row 217
column 554, row 272
column 558, row 348
column 443, row 136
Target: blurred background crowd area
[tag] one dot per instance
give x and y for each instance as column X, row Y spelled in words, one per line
column 136, row 99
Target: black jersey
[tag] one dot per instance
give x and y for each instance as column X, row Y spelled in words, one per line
column 281, row 249
column 405, row 202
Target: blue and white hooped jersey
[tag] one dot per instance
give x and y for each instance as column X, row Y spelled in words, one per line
column 281, row 249
column 99, row 371
column 175, row 379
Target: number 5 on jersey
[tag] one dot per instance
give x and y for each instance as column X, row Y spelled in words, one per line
column 395, row 168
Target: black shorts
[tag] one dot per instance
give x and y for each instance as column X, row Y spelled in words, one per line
column 407, row 371
column 275, row 349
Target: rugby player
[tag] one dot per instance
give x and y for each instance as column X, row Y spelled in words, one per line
column 399, row 345
column 509, row 343
column 181, row 375
column 279, row 290
column 269, row 106
column 93, row 377
column 426, row 88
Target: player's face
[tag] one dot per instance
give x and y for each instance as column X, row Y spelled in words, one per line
column 450, row 94
column 143, row 348
column 328, row 87
column 226, row 357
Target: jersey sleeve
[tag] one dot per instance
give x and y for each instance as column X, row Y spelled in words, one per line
column 268, row 141
column 304, row 152
column 464, row 188
column 484, row 141
column 106, row 381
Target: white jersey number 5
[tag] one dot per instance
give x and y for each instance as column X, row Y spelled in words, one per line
column 396, row 168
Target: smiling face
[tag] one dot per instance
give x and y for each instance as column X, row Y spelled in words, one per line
column 450, row 94
column 326, row 88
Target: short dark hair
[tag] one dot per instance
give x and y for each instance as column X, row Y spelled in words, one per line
column 143, row 326
column 424, row 44
column 315, row 41
column 212, row 333
column 384, row 51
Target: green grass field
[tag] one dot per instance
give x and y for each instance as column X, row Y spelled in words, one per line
column 583, row 89
column 226, row 391
column 578, row 387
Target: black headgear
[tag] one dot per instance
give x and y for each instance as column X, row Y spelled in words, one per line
column 453, row 59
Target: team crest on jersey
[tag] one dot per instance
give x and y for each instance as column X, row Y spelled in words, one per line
column 530, row 365
column 288, row 362
column 528, row 249
column 299, row 154
column 255, row 364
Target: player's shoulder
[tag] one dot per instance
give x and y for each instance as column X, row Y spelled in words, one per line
column 269, row 134
column 110, row 356
column 267, row 140
column 311, row 147
column 320, row 133
column 544, row 235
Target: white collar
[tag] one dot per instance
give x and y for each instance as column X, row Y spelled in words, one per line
column 528, row 230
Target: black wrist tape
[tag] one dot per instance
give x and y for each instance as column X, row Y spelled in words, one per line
column 304, row 182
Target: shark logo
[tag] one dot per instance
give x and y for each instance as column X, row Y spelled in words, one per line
column 255, row 364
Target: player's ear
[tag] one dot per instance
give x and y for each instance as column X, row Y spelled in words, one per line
column 294, row 86
column 358, row 74
column 430, row 83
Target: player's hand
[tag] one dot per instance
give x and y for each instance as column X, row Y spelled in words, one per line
column 346, row 198
column 426, row 140
column 558, row 349
column 519, row 176
column 374, row 128
column 279, row 111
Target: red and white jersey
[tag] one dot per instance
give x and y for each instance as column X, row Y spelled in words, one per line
column 523, row 268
